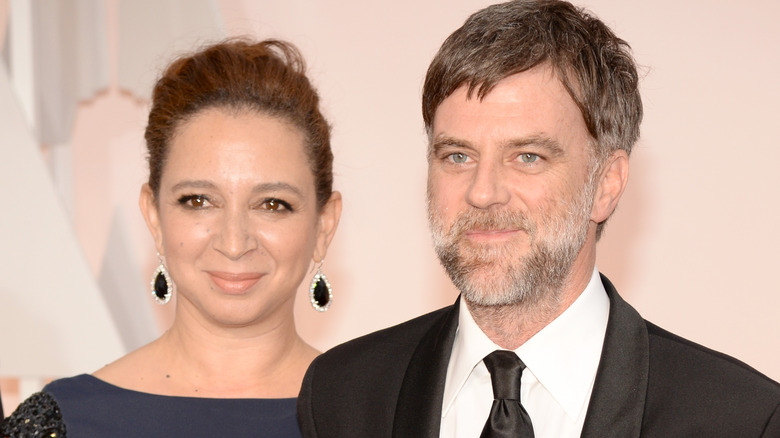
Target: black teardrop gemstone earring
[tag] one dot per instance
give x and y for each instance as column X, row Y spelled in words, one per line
column 162, row 286
column 320, row 291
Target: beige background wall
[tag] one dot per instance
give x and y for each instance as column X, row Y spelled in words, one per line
column 692, row 245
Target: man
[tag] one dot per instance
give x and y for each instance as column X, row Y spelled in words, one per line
column 531, row 108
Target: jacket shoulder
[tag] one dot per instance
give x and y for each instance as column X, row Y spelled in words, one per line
column 352, row 389
column 663, row 342
column 703, row 386
column 381, row 354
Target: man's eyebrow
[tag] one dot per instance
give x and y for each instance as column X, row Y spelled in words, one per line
column 538, row 141
column 444, row 141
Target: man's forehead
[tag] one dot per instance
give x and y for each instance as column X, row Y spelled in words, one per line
column 532, row 92
column 535, row 101
column 540, row 82
column 481, row 89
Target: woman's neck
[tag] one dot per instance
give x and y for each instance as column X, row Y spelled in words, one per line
column 196, row 359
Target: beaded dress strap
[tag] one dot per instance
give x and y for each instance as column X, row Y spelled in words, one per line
column 38, row 416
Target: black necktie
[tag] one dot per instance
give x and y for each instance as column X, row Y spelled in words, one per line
column 508, row 417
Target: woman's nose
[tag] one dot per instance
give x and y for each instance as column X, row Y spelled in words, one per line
column 235, row 236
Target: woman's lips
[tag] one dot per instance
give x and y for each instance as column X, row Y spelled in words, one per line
column 234, row 283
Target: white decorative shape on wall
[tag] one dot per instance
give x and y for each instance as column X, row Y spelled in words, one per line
column 128, row 298
column 54, row 320
column 20, row 57
column 153, row 31
column 70, row 62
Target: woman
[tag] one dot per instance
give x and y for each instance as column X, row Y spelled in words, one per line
column 239, row 204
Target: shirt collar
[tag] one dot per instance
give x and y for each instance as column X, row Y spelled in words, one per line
column 563, row 356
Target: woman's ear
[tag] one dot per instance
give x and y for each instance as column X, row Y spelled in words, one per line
column 148, row 204
column 611, row 184
column 328, row 222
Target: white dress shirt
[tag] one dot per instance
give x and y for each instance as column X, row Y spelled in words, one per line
column 561, row 363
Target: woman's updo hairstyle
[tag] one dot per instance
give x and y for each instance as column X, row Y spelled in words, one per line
column 238, row 74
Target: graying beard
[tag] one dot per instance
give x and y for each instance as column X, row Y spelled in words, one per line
column 543, row 271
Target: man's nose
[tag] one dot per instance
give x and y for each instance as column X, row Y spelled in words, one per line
column 488, row 186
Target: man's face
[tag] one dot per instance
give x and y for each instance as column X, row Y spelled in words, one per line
column 510, row 190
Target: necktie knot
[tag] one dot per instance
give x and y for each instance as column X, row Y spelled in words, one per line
column 508, row 418
column 506, row 370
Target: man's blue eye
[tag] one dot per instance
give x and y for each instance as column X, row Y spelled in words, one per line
column 459, row 157
column 529, row 158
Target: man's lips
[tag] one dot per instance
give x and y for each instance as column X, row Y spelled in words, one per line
column 490, row 235
column 234, row 283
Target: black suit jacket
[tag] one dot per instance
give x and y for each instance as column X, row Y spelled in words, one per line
column 649, row 383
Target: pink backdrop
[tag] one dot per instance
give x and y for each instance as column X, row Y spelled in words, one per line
column 692, row 245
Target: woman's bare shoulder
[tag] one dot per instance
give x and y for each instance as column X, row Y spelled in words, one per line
column 138, row 370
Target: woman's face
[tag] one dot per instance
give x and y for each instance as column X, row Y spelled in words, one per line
column 237, row 218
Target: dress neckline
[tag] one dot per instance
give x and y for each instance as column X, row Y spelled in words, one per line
column 91, row 380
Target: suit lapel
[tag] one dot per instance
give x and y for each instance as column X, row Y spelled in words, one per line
column 418, row 412
column 618, row 400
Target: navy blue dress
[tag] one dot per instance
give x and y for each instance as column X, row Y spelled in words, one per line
column 90, row 407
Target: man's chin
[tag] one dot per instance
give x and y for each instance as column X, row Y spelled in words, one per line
column 484, row 289
column 490, row 258
column 491, row 298
column 492, row 285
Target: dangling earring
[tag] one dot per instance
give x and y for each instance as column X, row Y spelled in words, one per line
column 320, row 292
column 162, row 286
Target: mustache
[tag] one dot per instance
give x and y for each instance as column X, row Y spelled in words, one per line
column 484, row 220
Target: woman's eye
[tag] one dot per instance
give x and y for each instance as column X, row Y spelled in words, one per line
column 458, row 157
column 194, row 201
column 276, row 205
column 529, row 158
